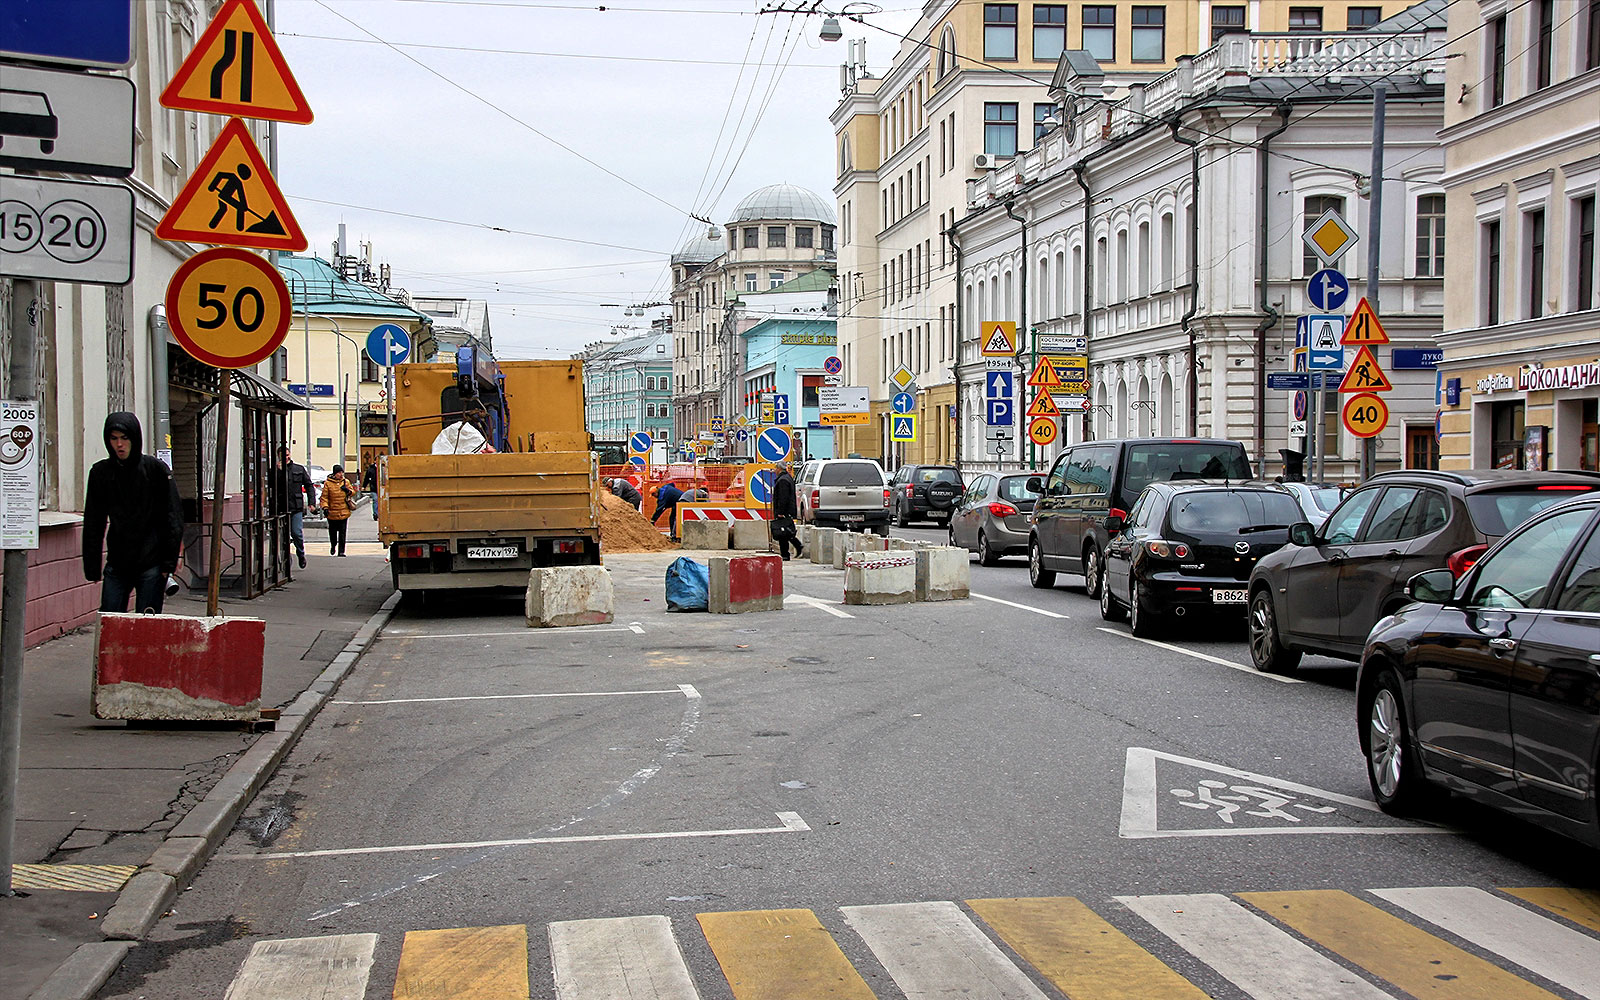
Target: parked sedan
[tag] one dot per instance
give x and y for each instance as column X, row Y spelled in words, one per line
column 991, row 517
column 1490, row 685
column 1189, row 547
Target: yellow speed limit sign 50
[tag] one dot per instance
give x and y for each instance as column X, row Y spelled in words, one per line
column 228, row 308
column 1366, row 414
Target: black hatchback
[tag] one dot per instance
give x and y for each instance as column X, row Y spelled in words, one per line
column 1188, row 548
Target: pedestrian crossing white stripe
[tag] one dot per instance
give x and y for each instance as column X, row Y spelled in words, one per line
column 505, row 697
column 1249, row 951
column 934, row 950
column 1538, row 944
column 619, row 958
column 335, row 967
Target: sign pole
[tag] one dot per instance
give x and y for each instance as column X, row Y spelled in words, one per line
column 388, row 397
column 1317, row 439
column 1380, row 91
column 219, row 482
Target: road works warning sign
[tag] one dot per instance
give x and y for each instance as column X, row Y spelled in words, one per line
column 232, row 200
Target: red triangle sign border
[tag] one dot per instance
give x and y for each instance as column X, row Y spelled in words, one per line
column 300, row 114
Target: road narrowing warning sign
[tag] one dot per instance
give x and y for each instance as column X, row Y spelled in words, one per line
column 235, row 68
column 232, row 200
column 1044, row 375
column 1363, row 327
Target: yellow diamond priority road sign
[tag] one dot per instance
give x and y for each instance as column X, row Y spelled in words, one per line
column 1329, row 236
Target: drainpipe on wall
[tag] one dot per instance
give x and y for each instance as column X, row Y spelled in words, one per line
column 157, row 320
column 1185, row 323
column 1022, row 306
column 952, row 235
column 1269, row 315
column 1080, row 173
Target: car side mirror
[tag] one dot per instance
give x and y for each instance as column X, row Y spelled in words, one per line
column 1434, row 586
column 1035, row 484
column 1115, row 524
column 1302, row 533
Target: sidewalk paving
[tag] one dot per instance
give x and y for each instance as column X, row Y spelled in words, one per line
column 107, row 794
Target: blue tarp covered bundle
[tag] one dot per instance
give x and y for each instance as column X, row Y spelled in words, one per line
column 687, row 585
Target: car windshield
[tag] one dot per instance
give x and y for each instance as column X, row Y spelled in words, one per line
column 1015, row 489
column 1222, row 512
column 1167, row 461
column 850, row 474
column 1496, row 513
column 937, row 476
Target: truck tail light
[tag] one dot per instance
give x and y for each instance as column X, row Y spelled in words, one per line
column 1460, row 562
column 816, row 499
column 911, row 491
column 999, row 509
column 886, row 494
column 411, row 552
column 1167, row 550
column 567, row 547
column 441, row 548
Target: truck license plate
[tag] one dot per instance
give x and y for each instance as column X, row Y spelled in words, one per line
column 491, row 552
column 1230, row 597
column 852, row 518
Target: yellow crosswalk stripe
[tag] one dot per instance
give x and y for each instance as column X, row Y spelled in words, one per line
column 1420, row 963
column 1581, row 906
column 73, row 878
column 780, row 955
column 464, row 963
column 1078, row 951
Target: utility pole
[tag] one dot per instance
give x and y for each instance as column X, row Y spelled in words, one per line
column 1380, row 93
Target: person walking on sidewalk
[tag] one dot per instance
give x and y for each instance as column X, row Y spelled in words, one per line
column 369, row 483
column 302, row 494
column 136, row 496
column 338, row 493
column 784, row 511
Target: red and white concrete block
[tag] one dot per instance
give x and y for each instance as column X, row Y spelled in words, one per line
column 745, row 583
column 172, row 668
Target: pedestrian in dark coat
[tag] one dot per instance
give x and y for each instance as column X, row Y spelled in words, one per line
column 369, row 482
column 625, row 490
column 667, row 497
column 302, row 494
column 134, row 494
column 784, row 511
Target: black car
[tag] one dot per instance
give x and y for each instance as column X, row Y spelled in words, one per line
column 1095, row 480
column 925, row 491
column 1490, row 685
column 1189, row 547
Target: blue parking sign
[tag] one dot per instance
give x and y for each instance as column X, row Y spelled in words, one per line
column 999, row 412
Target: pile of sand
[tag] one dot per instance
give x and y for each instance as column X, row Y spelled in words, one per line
column 623, row 529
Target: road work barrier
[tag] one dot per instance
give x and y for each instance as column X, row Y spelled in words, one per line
column 746, row 583
column 706, row 534
column 172, row 668
column 880, row 578
column 943, row 574
column 560, row 596
column 821, row 543
column 752, row 535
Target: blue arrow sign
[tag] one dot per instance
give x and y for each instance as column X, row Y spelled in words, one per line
column 1302, row 331
column 743, row 435
column 637, row 461
column 640, row 441
column 388, row 345
column 1328, row 289
column 773, row 445
column 1326, row 360
column 998, row 412
column 903, row 402
column 999, row 384
column 761, row 486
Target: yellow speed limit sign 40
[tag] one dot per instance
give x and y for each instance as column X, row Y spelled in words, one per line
column 228, row 308
column 1042, row 430
column 1366, row 414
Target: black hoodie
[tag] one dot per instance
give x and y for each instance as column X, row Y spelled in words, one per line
column 140, row 500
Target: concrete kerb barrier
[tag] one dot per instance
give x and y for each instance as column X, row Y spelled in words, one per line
column 752, row 536
column 705, row 534
column 741, row 584
column 188, row 845
column 175, row 668
column 843, row 545
column 944, row 573
column 821, row 544
column 562, row 596
column 880, row 578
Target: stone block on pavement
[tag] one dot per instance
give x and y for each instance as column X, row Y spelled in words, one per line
column 705, row 534
column 752, row 535
column 880, row 578
column 943, row 574
column 175, row 668
column 821, row 545
column 745, row 583
column 560, row 596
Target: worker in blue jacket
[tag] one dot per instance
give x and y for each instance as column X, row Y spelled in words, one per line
column 667, row 497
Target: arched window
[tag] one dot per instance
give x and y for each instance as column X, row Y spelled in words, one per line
column 1146, row 420
column 947, row 51
column 1142, row 279
column 1120, row 414
column 1122, row 265
column 1168, row 261
column 1062, row 306
column 844, row 155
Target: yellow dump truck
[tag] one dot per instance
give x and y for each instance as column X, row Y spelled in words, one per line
column 454, row 521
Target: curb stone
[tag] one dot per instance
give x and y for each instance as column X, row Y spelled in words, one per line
column 188, row 845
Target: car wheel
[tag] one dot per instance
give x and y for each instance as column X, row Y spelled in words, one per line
column 902, row 516
column 986, row 553
column 1038, row 576
column 1110, row 608
column 950, row 537
column 1093, row 573
column 1392, row 764
column 1141, row 621
column 1266, row 648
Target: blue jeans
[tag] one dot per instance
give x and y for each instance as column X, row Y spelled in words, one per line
column 297, row 531
column 150, row 585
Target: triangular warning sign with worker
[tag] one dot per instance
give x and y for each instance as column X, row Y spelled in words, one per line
column 1044, row 405
column 1365, row 375
column 232, row 200
column 1045, row 375
column 1363, row 327
column 999, row 339
column 237, row 69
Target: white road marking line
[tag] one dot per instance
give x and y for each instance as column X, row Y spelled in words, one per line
column 934, row 950
column 792, row 823
column 1024, row 607
column 1538, row 944
column 508, row 697
column 820, row 604
column 333, row 967
column 1247, row 950
column 1280, row 678
column 636, row 628
column 632, row 957
column 582, row 630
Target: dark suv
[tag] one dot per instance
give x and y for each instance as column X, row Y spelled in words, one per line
column 1095, row 480
column 1323, row 592
column 924, row 491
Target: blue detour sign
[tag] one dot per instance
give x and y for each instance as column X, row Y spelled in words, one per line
column 640, row 442
column 773, row 445
column 761, row 486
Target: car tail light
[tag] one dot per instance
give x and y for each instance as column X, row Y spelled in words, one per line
column 567, row 547
column 999, row 509
column 910, row 490
column 816, row 499
column 1167, row 550
column 1461, row 562
column 1567, row 489
column 411, row 552
column 886, row 494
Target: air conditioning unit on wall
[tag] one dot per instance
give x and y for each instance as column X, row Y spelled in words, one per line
column 985, row 161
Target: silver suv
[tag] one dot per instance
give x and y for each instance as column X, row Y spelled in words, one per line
column 844, row 493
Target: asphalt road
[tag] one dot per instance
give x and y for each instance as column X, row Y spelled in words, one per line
column 828, row 762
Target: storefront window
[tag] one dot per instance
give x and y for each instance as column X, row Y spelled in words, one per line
column 1589, row 437
column 1508, row 427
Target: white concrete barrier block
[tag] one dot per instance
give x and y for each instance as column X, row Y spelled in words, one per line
column 843, row 545
column 822, row 542
column 752, row 535
column 880, row 578
column 705, row 535
column 943, row 574
column 559, row 596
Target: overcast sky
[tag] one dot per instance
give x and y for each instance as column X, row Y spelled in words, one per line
column 456, row 121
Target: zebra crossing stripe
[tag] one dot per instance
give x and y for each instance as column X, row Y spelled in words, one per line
column 1581, row 906
column 636, row 958
column 334, row 967
column 1420, row 963
column 1079, row 952
column 934, row 950
column 464, row 963
column 1248, row 951
column 780, row 955
column 1538, row 944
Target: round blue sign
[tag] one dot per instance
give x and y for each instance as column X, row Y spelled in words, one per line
column 636, row 461
column 1299, row 406
column 640, row 441
column 761, row 486
column 1328, row 289
column 773, row 445
column 833, row 365
column 903, row 402
column 743, row 435
column 388, row 344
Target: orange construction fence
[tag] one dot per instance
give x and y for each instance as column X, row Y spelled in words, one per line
column 723, row 482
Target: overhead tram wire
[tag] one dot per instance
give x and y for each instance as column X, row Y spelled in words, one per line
column 473, row 225
column 478, row 49
column 766, row 100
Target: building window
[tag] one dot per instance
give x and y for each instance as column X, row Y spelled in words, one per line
column 1491, row 272
column 1049, row 31
column 1041, row 112
column 1000, row 129
column 1547, row 25
column 1592, row 60
column 947, row 51
column 749, row 282
column 777, row 236
column 1508, row 425
column 1430, row 236
column 827, row 237
column 774, row 279
column 1535, row 237
column 1497, row 61
column 1100, row 32
column 1585, row 253
column 1224, row 20
column 1305, row 18
column 1360, row 19
column 752, row 237
column 804, row 237
column 370, row 372
column 1310, row 263
column 1000, row 31
column 1149, row 34
column 1422, row 448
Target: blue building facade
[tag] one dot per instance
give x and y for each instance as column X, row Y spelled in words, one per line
column 785, row 356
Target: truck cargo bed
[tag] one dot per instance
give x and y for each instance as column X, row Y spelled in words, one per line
column 427, row 496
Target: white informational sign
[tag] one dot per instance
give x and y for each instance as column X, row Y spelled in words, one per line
column 843, row 399
column 1297, row 428
column 66, row 231
column 67, row 121
column 1060, row 343
column 19, row 475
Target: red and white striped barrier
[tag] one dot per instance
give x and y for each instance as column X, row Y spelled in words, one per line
column 720, row 512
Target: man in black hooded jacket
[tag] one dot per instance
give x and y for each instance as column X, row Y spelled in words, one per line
column 135, row 493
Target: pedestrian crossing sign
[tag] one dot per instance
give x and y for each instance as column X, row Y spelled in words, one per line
column 998, row 339
column 232, row 200
column 903, row 427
